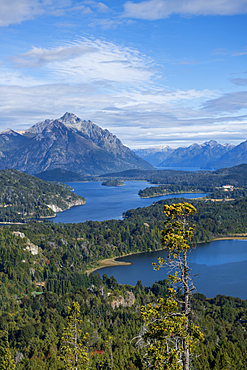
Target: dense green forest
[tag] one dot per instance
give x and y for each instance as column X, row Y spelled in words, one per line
column 36, row 290
column 24, row 197
column 157, row 191
column 236, row 176
column 218, row 193
column 59, row 174
column 75, row 248
column 43, row 271
column 34, row 318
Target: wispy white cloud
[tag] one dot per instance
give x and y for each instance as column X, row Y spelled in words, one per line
column 75, row 63
column 38, row 57
column 239, row 81
column 228, row 52
column 230, row 102
column 107, row 23
column 221, row 51
column 17, row 11
column 188, row 62
column 101, row 7
column 137, row 117
column 10, row 77
column 159, row 9
column 116, row 87
column 239, row 53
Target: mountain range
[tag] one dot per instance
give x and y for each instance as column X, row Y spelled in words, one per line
column 210, row 155
column 155, row 155
column 67, row 143
column 71, row 144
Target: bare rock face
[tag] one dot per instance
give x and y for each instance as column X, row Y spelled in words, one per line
column 56, row 209
column 128, row 301
column 67, row 143
column 34, row 249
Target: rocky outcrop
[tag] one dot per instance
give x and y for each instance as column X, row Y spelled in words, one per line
column 77, row 202
column 128, row 301
column 34, row 249
column 56, row 209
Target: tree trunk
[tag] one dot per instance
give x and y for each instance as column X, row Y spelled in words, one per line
column 186, row 361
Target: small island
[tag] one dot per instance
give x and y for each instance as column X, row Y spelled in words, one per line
column 113, row 182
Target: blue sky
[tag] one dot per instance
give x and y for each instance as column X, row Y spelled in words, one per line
column 170, row 72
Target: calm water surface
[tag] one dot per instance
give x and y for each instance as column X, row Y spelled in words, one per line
column 221, row 267
column 109, row 202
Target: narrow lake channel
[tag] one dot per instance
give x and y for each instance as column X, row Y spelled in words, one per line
column 109, row 202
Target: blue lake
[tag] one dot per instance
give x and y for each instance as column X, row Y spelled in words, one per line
column 109, row 202
column 221, row 267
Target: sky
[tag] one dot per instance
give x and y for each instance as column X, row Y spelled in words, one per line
column 154, row 72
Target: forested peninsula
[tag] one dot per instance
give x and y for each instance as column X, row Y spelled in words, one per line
column 157, row 191
column 236, row 176
column 24, row 197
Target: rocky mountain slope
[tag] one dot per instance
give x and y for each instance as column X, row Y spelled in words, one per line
column 196, row 155
column 233, row 157
column 67, row 143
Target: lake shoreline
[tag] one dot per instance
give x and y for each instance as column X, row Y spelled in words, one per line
column 112, row 262
column 162, row 194
column 109, row 262
column 237, row 237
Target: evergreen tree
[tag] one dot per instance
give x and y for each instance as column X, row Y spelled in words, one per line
column 166, row 334
column 74, row 349
column 165, row 319
column 6, row 361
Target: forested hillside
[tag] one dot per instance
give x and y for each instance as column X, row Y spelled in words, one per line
column 33, row 317
column 218, row 193
column 24, row 197
column 73, row 249
column 42, row 272
column 236, row 176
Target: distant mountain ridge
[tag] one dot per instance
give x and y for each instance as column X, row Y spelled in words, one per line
column 237, row 155
column 154, row 155
column 209, row 155
column 196, row 155
column 67, row 143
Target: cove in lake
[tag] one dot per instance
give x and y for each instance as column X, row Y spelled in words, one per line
column 109, row 202
column 221, row 267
